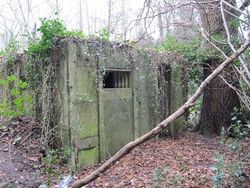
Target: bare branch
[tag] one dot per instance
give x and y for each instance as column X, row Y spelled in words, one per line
column 205, row 35
column 233, row 7
column 242, row 95
column 229, row 40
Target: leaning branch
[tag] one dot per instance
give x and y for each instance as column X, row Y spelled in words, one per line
column 154, row 132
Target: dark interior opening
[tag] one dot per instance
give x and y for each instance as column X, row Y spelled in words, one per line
column 116, row 79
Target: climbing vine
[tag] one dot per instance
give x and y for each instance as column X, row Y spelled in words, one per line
column 192, row 55
column 41, row 65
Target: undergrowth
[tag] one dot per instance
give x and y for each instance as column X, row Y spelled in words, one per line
column 231, row 174
column 15, row 100
column 51, row 30
column 41, row 65
column 20, row 100
column 35, row 94
column 54, row 157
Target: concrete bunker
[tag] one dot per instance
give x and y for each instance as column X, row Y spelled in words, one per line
column 107, row 94
column 110, row 94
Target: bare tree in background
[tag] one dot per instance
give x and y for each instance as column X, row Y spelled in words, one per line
column 117, row 19
column 18, row 20
column 109, row 15
column 87, row 16
column 174, row 18
column 80, row 16
column 219, row 100
column 221, row 97
column 185, row 24
column 160, row 24
column 57, row 9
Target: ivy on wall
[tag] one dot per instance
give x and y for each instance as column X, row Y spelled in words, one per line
column 15, row 101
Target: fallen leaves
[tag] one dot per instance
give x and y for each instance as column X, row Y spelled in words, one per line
column 185, row 162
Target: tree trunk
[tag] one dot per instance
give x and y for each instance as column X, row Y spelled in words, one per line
column 218, row 104
column 219, row 100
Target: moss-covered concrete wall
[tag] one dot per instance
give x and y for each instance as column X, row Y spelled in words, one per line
column 95, row 121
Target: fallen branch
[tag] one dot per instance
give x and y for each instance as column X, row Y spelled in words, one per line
column 26, row 137
column 154, row 132
column 2, row 135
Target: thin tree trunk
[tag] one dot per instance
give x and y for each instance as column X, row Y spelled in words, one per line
column 160, row 26
column 80, row 18
column 109, row 15
column 87, row 14
column 131, row 145
column 57, row 8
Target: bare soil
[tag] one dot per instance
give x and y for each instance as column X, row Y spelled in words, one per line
column 20, row 159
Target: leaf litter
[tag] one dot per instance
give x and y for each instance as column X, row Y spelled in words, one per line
column 184, row 162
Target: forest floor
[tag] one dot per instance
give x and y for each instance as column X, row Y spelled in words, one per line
column 21, row 162
column 184, row 162
column 19, row 153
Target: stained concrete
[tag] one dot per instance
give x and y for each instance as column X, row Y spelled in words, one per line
column 95, row 122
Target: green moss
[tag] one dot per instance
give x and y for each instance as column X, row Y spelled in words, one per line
column 88, row 157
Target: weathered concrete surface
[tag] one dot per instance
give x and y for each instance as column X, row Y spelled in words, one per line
column 94, row 121
column 118, row 124
column 82, row 93
column 113, row 115
column 178, row 96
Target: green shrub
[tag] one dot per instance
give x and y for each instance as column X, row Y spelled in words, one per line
column 234, row 169
column 18, row 102
column 50, row 30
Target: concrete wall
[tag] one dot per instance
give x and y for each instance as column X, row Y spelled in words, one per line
column 94, row 121
column 98, row 121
